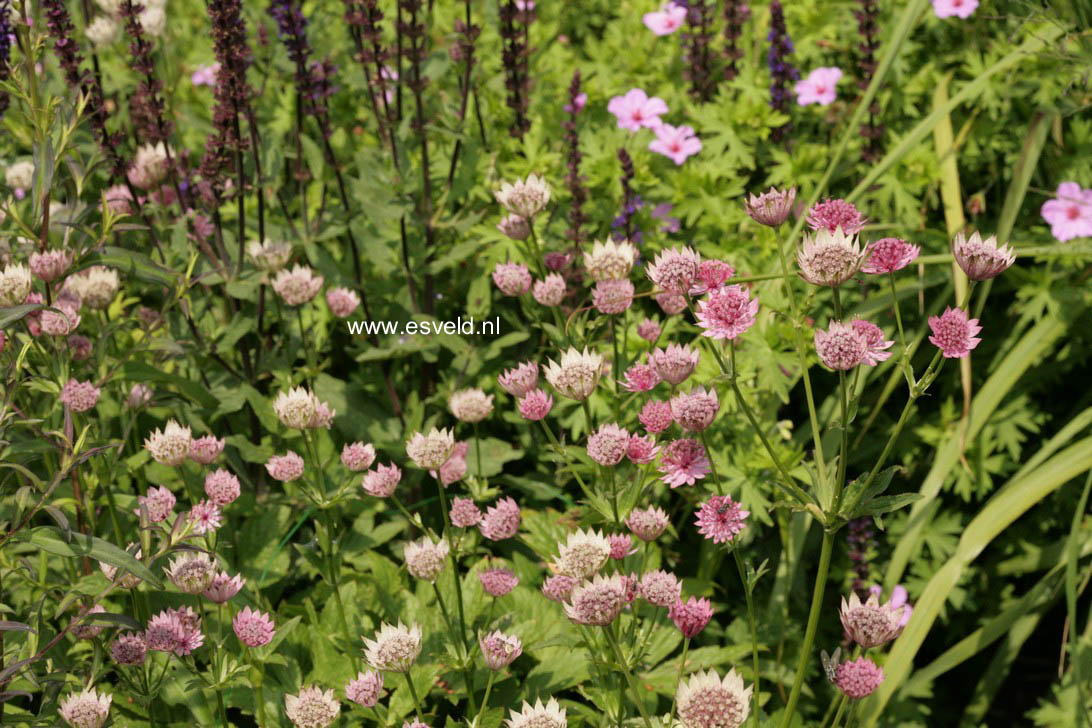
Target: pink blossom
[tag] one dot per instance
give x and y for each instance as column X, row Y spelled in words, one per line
column 536, row 405
column 666, row 20
column 358, row 456
column 79, row 396
column 655, row 416
column 727, row 312
column 833, row 214
column 647, row 524
column 382, row 481
column 501, row 520
column 684, row 462
column 286, row 468
column 712, row 274
column 206, row 449
column 205, row 75
column 521, row 380
column 612, row 297
column 607, row 445
column 158, row 502
column 365, row 689
column 498, row 582
column 621, row 545
column 513, row 279
column 859, row 678
column 636, row 110
column 1070, row 213
column 205, row 517
column 221, row 487
column 558, row 587
column 649, row 330
column 464, row 513
column 958, row 8
column 840, row 347
column 874, row 338
column 691, row 616
column 675, row 143
column 640, row 378
column 675, row 363
column 253, row 628
column 342, row 301
column 642, row 450
column 954, row 333
column 888, row 255
column 671, row 303
column 818, row 87
column 720, row 519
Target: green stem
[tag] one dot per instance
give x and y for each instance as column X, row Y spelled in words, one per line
column 813, row 624
column 453, row 555
column 413, row 692
column 678, row 679
column 485, row 699
column 609, row 629
column 754, row 628
column 841, row 709
column 478, row 450
column 614, row 495
column 561, row 450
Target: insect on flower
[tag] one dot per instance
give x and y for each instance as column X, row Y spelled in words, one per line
column 830, row 663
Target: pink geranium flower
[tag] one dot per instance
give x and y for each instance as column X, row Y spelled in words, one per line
column 675, row 142
column 959, row 8
column 818, row 87
column 1070, row 214
column 205, row 75
column 666, row 20
column 636, row 110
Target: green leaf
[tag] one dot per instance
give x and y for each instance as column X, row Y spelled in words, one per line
column 132, row 264
column 139, row 372
column 14, row 314
column 51, row 540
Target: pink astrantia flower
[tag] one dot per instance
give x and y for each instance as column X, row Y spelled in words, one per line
column 285, row 467
column 771, row 208
column 674, row 270
column 520, row 381
column 818, row 87
column 499, row 649
column 621, row 545
column 666, row 20
column 899, row 598
column 558, row 587
column 859, row 678
column 612, row 297
column 831, row 214
column 675, row 142
column 223, row 587
column 498, row 582
column 981, row 259
column 640, row 378
column 954, row 333
column 720, row 519
column 221, row 487
column 206, row 449
column 684, row 463
column 647, row 524
column 158, row 502
column 382, row 481
column 655, row 416
column 840, row 347
column 727, row 312
column 694, row 411
column 711, row 276
column 501, row 520
column 607, row 445
column 342, row 301
column 642, row 450
column 557, row 260
column 671, row 303
column 1069, row 214
column 636, row 110
column 536, row 405
column 649, row 330
column 205, row 75
column 691, row 616
column 465, row 513
column 675, row 363
column 513, row 279
column 253, row 628
column 888, row 255
column 660, row 588
column 358, row 456
column 205, row 517
column 957, row 8
column 80, row 346
column 598, row 601
column 874, row 338
column 129, row 649
column 79, row 396
column 365, row 689
column 550, row 291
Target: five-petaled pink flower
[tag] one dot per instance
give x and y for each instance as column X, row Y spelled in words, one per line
column 959, row 8
column 1070, row 213
column 636, row 110
column 818, row 87
column 675, row 142
column 666, row 20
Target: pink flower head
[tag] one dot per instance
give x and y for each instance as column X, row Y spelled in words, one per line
column 675, row 363
column 691, row 616
column 499, row 649
column 720, row 519
column 79, row 396
column 597, row 602
column 221, row 487
column 642, row 450
column 649, row 330
column 514, row 227
column 877, row 345
column 1069, row 214
column 771, row 208
column 513, row 279
column 859, row 678
column 205, row 517
column 205, row 75
column 888, row 255
column 671, row 303
column 50, row 265
column 981, row 259
column 577, row 104
column 521, row 380
column 666, row 20
column 164, row 632
column 647, row 524
column 684, row 462
column 675, row 142
column 63, row 321
column 465, row 513
column 365, row 689
column 655, row 416
column 223, row 587
column 454, row 468
column 129, row 649
column 118, row 199
column 818, row 87
column 712, row 274
column 621, row 545
column 298, row 285
column 954, row 333
column 382, row 481
column 501, row 520
column 612, row 297
column 674, row 270
column 536, row 405
column 498, row 582
column 253, row 628
column 607, row 445
column 899, row 598
column 558, row 587
column 206, row 449
column 640, row 378
column 159, row 502
column 841, row 347
column 727, row 312
column 831, row 214
column 285, row 467
column 660, row 588
column 695, row 411
column 550, row 291
column 80, row 346
column 636, row 110
column 342, row 301
column 959, row 8
column 358, row 456
column 556, row 260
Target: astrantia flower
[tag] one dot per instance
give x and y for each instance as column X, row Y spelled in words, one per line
column 312, row 708
column 621, row 545
column 655, row 416
column 597, row 602
column 874, row 338
column 829, row 258
column 981, row 259
column 295, row 408
column 660, row 588
column 557, row 260
column 127, row 580
column 830, row 215
column 498, row 582
column 636, row 110
column 164, row 632
column 649, row 330
column 499, row 649
column 712, row 274
column 577, row 375
column 1069, row 214
column 583, row 554
column 253, row 628
column 674, row 270
column 525, row 199
column 268, row 255
column 79, row 396
column 501, row 520
column 870, row 624
column 85, row 629
column 87, row 709
column 297, row 286
column 63, row 321
column 707, row 701
column 128, row 649
column 666, row 20
column 358, row 456
column 612, row 297
column 191, row 571
column 558, row 587
column 520, row 381
column 841, row 347
column 285, row 468
column 514, row 227
column 642, row 450
column 683, row 462
column 223, row 587
column 382, row 481
column 675, row 142
column 694, row 411
column 610, row 260
column 464, row 513
column 470, row 405
column 536, row 405
column 171, row 446
column 818, row 87
column 675, row 363
column 139, row 395
column 513, row 279
column 691, row 616
column 551, row 715
column 425, row 559
column 149, row 167
column 365, row 689
column 888, row 255
column 607, row 445
column 394, row 648
column 771, row 208
column 158, row 502
column 550, row 291
column 342, row 301
column 50, row 265
column 671, row 303
column 720, row 518
column 206, row 449
column 79, row 345
column 647, row 524
column 954, row 333
column 204, row 517
column 898, row 599
column 727, row 312
column 858, row 678
column 957, row 8
column 221, row 487
column 430, row 451
column 640, row 378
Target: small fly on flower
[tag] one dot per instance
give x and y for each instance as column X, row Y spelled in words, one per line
column 830, row 663
column 724, row 506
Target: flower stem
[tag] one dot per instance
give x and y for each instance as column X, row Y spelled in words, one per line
column 813, row 624
column 413, row 692
column 754, row 628
column 468, row 673
column 678, row 679
column 609, row 629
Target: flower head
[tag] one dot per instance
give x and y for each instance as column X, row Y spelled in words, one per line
column 128, row 649
column 981, row 259
column 285, row 468
column 712, row 274
column 597, row 601
column 342, row 301
column 15, row 284
column 871, row 624
column 841, row 347
column 558, row 587
column 674, row 270
column 610, row 260
column 675, row 142
column 253, row 628
column 382, row 481
column 888, row 255
column 671, row 303
column 221, row 487
column 642, row 450
column 536, row 405
column 79, row 396
column 394, row 648
column 430, row 451
column 954, row 333
column 583, row 554
column 50, row 265
column 521, row 380
column 707, row 701
column 684, row 462
column 727, row 312
column 694, row 411
column 818, row 87
column 691, row 616
column 465, row 513
column 874, row 338
column 858, row 678
column 647, row 524
column 205, row 517
column 223, row 587
column 829, row 258
column 525, row 199
column 771, row 208
column 158, row 502
column 297, row 286
column 649, row 330
column 501, row 520
column 268, row 255
column 358, row 456
column 498, row 582
column 470, row 405
column 833, row 215
column 675, row 363
column 499, row 649
column 577, row 375
column 513, row 279
column 607, row 445
column 150, row 166
column 635, row 110
column 171, row 446
column 205, row 450
column 1069, row 214
column 313, row 707
column 958, row 8
column 720, row 519
column 297, row 408
column 660, row 588
column 550, row 291
column 666, row 20
column 655, row 416
column 514, row 227
column 191, row 571
column 86, row 709
column 365, row 689
column 425, row 559
column 612, row 297
column 20, row 175
column 640, row 378
column 551, row 715
column 139, row 395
